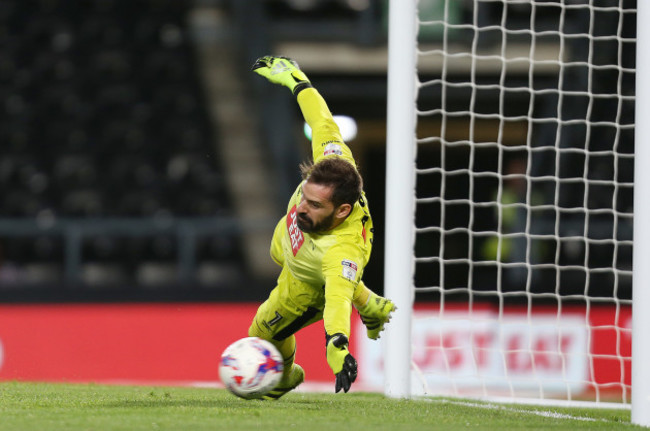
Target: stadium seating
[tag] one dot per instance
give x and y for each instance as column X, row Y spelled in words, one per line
column 102, row 117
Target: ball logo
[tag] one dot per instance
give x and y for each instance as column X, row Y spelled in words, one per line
column 251, row 367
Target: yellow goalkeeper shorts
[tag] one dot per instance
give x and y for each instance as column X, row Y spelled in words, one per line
column 292, row 305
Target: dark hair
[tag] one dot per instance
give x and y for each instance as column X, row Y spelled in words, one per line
column 337, row 173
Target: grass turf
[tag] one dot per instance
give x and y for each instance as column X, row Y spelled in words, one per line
column 72, row 407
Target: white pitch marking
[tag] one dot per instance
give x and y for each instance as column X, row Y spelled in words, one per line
column 549, row 414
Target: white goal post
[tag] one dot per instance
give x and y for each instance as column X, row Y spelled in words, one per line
column 509, row 202
column 400, row 193
column 641, row 273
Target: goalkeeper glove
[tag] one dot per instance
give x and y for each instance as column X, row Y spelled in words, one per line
column 341, row 361
column 283, row 71
column 375, row 313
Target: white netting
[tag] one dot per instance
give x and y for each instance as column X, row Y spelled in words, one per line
column 524, row 198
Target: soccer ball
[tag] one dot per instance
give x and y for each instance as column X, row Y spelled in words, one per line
column 251, row 367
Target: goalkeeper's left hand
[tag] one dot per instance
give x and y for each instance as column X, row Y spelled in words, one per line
column 283, row 71
column 375, row 313
column 341, row 361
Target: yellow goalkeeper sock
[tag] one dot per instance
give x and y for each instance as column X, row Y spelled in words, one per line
column 293, row 374
column 287, row 348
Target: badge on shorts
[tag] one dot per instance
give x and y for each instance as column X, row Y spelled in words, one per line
column 349, row 269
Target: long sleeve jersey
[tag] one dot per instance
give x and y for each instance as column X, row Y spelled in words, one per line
column 333, row 260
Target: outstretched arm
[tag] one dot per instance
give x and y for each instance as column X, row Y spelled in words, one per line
column 326, row 136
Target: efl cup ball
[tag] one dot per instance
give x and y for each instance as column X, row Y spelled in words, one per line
column 250, row 367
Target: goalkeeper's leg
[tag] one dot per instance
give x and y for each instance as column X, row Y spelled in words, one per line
column 277, row 319
column 293, row 374
column 375, row 311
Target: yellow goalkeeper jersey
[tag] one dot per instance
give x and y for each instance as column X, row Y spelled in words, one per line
column 333, row 260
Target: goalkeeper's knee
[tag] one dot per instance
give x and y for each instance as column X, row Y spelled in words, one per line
column 257, row 330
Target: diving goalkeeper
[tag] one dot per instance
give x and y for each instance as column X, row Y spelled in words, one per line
column 322, row 244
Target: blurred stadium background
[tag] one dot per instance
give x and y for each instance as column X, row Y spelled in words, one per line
column 140, row 160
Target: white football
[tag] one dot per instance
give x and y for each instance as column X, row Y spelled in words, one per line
column 250, row 367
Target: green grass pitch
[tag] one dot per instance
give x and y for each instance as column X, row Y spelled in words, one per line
column 90, row 407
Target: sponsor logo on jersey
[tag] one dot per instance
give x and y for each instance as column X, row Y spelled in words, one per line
column 295, row 234
column 332, row 149
column 349, row 269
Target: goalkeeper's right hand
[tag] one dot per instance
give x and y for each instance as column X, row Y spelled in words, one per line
column 283, row 71
column 341, row 362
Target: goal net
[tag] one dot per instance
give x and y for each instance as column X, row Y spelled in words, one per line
column 522, row 216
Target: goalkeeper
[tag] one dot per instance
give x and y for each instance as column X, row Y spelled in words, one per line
column 322, row 244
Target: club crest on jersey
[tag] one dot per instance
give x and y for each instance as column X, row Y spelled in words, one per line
column 349, row 269
column 332, row 148
column 295, row 234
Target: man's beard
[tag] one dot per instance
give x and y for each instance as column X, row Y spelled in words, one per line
column 306, row 225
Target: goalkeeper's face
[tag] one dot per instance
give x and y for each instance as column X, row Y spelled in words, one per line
column 316, row 213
